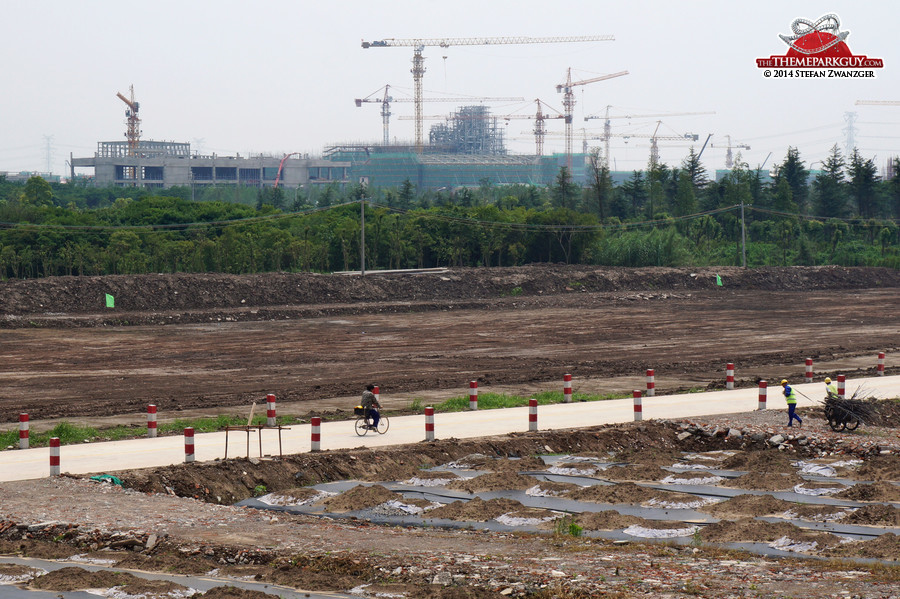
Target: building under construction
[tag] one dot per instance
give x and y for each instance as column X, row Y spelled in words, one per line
column 161, row 164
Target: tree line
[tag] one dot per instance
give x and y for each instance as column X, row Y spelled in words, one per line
column 662, row 216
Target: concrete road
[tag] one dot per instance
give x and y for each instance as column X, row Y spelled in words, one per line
column 109, row 457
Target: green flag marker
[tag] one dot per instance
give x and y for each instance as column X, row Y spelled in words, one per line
column 110, row 301
column 718, row 282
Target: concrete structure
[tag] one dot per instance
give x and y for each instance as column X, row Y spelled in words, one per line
column 160, row 164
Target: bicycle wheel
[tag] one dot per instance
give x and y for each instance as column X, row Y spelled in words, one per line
column 361, row 428
column 852, row 424
column 383, row 425
column 837, row 425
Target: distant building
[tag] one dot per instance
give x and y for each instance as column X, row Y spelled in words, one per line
column 390, row 166
column 24, row 176
column 161, row 164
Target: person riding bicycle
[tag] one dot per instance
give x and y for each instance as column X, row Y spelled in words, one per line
column 370, row 404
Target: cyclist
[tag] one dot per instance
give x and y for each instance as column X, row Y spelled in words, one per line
column 370, row 404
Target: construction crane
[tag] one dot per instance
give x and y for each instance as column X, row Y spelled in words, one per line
column 281, row 166
column 654, row 138
column 133, row 132
column 607, row 127
column 729, row 160
column 540, row 129
column 386, row 100
column 418, row 61
column 877, row 103
column 569, row 104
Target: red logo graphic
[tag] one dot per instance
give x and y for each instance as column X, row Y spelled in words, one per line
column 818, row 45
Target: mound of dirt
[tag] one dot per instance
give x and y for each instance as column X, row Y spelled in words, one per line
column 748, row 504
column 881, row 468
column 234, row 593
column 182, row 291
column 359, row 497
column 759, row 461
column 639, row 472
column 607, row 520
column 78, row 579
column 476, row 510
column 880, row 491
column 627, row 492
column 765, row 481
column 495, row 481
column 874, row 515
column 654, row 456
column 478, row 461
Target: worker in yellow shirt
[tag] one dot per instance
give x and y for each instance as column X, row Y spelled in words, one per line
column 790, row 396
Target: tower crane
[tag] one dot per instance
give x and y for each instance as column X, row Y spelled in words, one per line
column 540, row 129
column 418, row 61
column 729, row 160
column 133, row 132
column 569, row 103
column 607, row 127
column 653, row 137
column 386, row 100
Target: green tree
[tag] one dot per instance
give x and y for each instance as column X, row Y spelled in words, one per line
column 793, row 170
column 863, row 184
column 830, row 186
column 601, row 184
column 565, row 192
column 37, row 192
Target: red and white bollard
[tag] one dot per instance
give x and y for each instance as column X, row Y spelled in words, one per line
column 377, row 393
column 473, row 395
column 881, row 363
column 270, row 410
column 841, row 386
column 729, row 376
column 809, row 370
column 651, row 382
column 151, row 421
column 638, row 408
column 532, row 414
column 429, row 424
column 189, row 444
column 567, row 388
column 315, row 434
column 54, row 456
column 23, row 431
column 763, row 393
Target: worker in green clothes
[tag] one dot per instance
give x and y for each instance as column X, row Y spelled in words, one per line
column 790, row 396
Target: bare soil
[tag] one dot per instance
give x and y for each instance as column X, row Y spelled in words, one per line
column 207, row 342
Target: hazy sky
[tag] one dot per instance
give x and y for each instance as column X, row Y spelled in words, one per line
column 277, row 76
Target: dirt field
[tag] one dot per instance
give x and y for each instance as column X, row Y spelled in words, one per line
column 206, row 344
column 227, row 341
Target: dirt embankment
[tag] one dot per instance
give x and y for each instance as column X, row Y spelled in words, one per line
column 257, row 297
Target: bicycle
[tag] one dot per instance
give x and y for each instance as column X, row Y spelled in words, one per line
column 363, row 426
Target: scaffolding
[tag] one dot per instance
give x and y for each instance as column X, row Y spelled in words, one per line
column 470, row 130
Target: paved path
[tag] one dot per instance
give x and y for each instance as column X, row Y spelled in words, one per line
column 162, row 451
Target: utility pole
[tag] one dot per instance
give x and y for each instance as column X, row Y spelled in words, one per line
column 743, row 238
column 362, row 236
